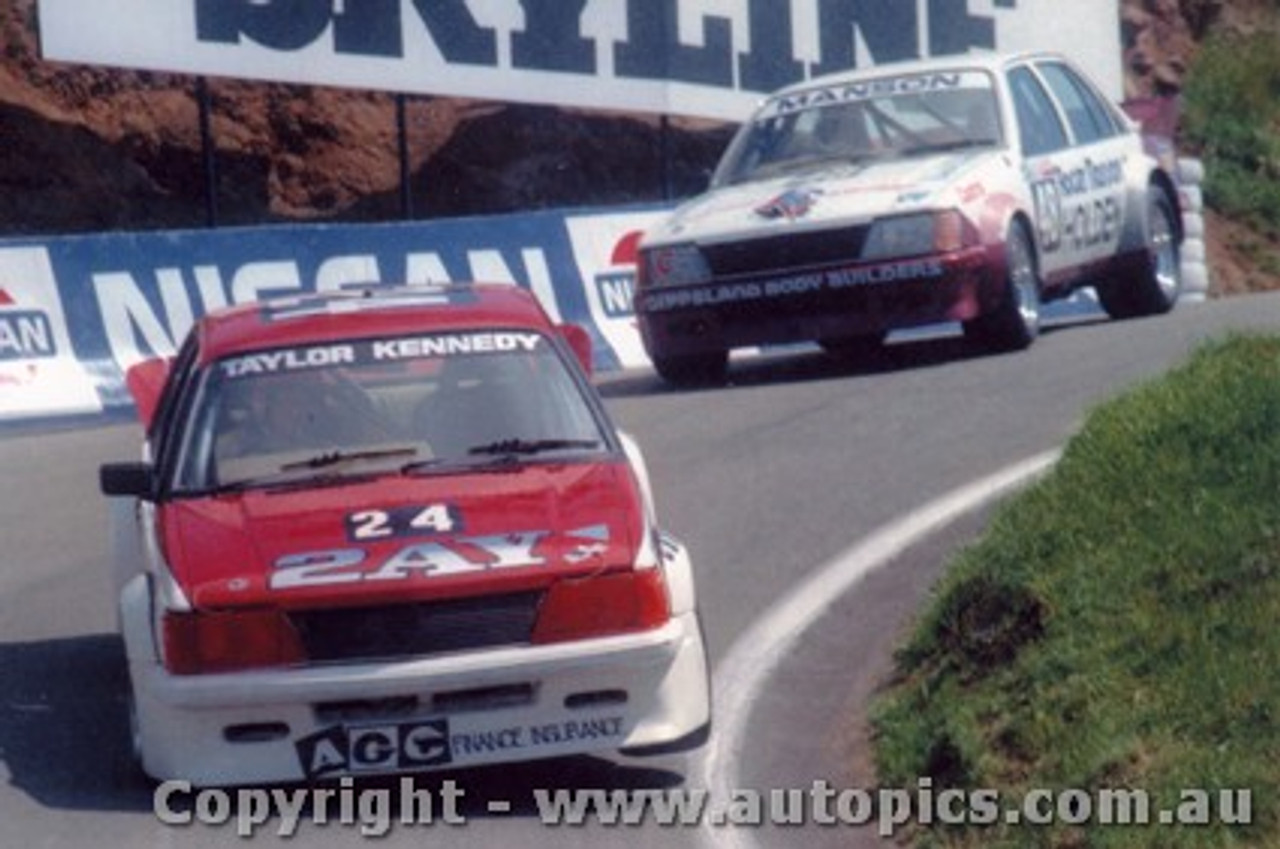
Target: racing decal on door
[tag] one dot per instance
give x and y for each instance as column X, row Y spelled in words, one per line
column 1078, row 209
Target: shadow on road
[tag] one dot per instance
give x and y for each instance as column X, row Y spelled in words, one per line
column 64, row 724
column 800, row 363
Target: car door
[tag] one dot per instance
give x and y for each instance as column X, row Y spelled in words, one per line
column 1094, row 205
column 1043, row 143
column 1071, row 166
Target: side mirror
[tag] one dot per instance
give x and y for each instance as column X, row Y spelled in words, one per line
column 145, row 381
column 579, row 342
column 130, row 479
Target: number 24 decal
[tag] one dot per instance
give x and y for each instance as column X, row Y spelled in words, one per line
column 368, row 525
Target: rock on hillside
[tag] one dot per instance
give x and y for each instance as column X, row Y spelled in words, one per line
column 91, row 149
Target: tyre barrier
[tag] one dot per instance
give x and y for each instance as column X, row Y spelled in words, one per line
column 1193, row 250
column 1193, row 267
column 1193, row 225
column 1195, row 282
column 1192, row 198
column 1190, row 172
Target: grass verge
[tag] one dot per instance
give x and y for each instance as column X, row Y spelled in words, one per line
column 1117, row 626
column 1232, row 117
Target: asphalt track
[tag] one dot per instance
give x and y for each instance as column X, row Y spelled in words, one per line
column 797, row 466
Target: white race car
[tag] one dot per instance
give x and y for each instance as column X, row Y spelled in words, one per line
column 966, row 189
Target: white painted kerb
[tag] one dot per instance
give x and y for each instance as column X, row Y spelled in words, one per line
column 741, row 676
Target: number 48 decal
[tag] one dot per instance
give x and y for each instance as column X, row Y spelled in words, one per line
column 1048, row 200
column 369, row 525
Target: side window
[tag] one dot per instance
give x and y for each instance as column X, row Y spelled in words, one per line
column 1104, row 114
column 162, row 423
column 169, row 423
column 1038, row 123
column 1090, row 121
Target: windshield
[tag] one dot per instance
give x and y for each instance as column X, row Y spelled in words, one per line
column 364, row 407
column 852, row 122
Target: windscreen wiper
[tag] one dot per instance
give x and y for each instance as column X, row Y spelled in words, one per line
column 286, row 477
column 501, row 456
column 337, row 458
column 286, row 481
column 529, row 447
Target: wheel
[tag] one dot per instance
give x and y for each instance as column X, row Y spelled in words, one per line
column 1015, row 323
column 692, row 369
column 852, row 348
column 1156, row 288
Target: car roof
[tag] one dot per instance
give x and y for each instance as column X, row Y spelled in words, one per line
column 369, row 312
column 993, row 62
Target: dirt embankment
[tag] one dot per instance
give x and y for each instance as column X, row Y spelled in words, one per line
column 89, row 149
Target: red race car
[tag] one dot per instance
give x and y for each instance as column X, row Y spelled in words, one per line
column 394, row 530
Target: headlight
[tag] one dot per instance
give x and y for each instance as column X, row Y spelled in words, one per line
column 917, row 234
column 674, row 265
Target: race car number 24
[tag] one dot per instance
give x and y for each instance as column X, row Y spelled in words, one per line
column 366, row 525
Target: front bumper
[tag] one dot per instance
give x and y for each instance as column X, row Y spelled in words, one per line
column 832, row 302
column 645, row 692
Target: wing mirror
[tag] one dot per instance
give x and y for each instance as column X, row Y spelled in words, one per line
column 127, row 479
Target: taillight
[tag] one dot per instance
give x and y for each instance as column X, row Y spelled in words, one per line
column 600, row 605
column 223, row 641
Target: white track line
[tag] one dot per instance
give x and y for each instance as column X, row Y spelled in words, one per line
column 741, row 676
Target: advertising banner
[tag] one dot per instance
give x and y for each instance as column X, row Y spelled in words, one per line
column 708, row 58
column 76, row 312
column 39, row 372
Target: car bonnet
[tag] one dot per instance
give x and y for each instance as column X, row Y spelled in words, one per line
column 401, row 539
column 836, row 194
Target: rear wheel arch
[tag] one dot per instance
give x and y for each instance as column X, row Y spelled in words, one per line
column 1153, row 287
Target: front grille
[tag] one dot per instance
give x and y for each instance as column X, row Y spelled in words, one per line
column 782, row 253
column 423, row 629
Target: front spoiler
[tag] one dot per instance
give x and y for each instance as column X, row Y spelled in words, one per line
column 811, row 305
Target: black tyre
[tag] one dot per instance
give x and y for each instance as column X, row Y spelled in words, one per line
column 693, row 369
column 1155, row 289
column 1015, row 323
